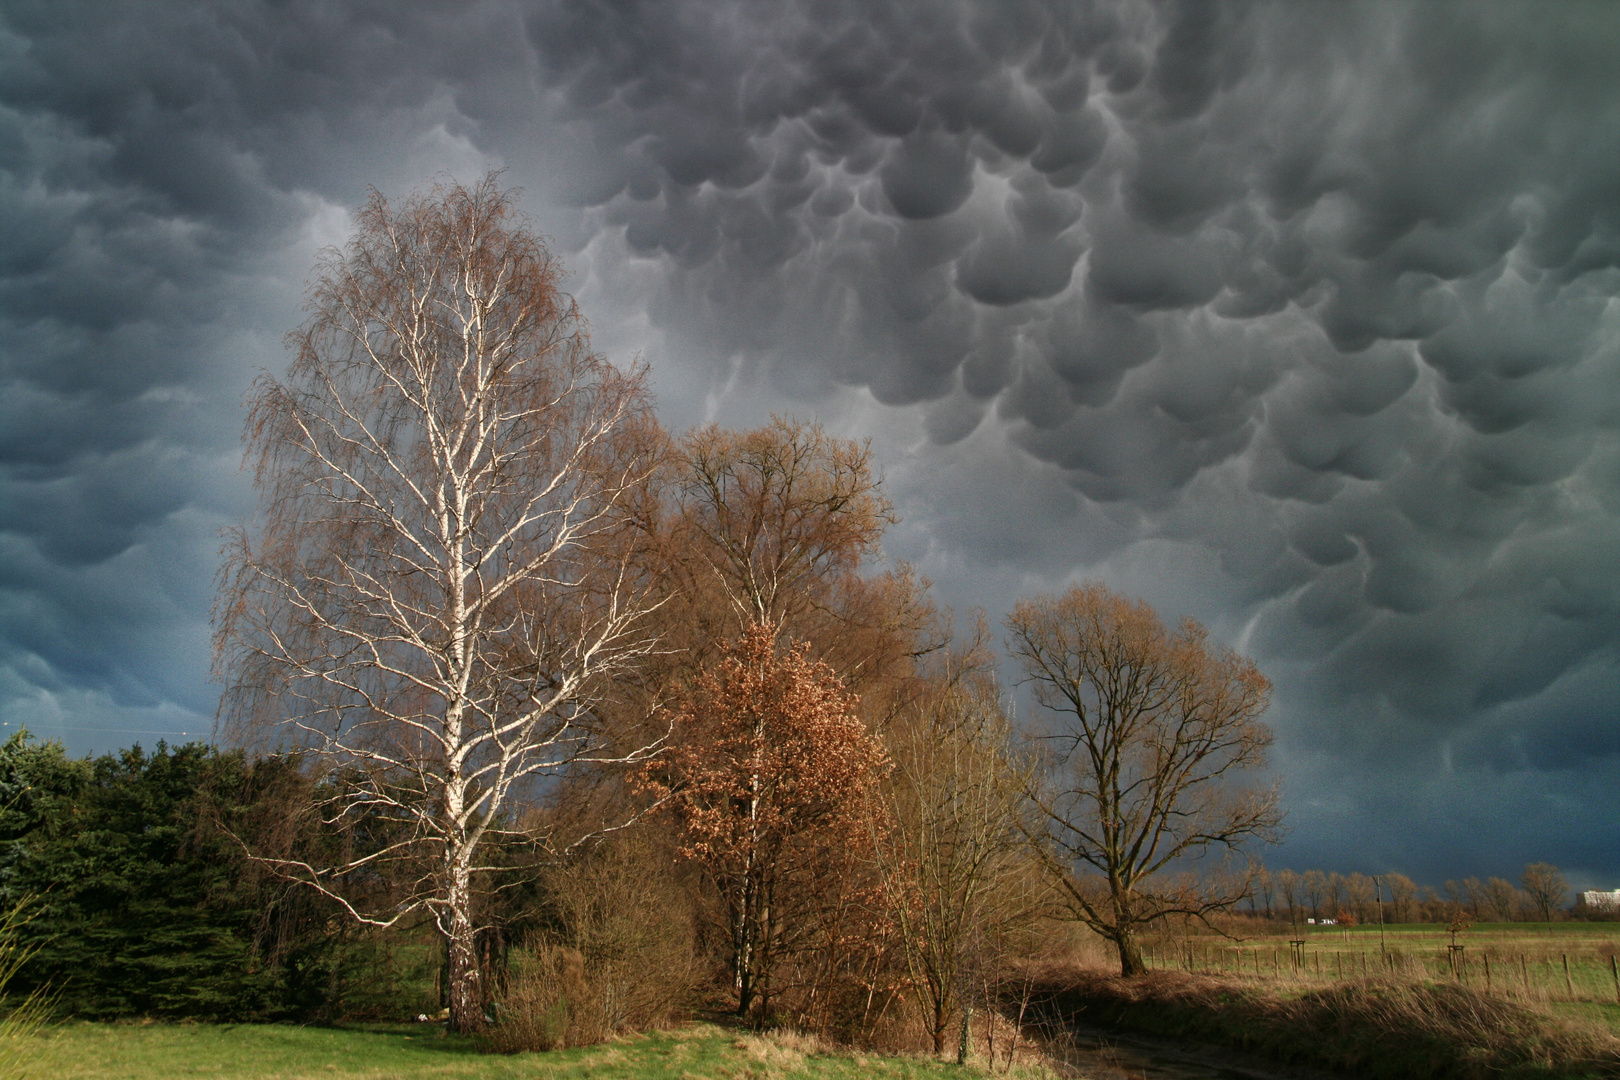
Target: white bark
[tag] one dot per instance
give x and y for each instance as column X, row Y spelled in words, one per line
column 444, row 585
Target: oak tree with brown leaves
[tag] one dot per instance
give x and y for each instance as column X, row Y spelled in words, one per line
column 771, row 784
column 1151, row 734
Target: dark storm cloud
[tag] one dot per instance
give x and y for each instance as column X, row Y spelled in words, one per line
column 1297, row 316
column 164, row 173
column 1325, row 289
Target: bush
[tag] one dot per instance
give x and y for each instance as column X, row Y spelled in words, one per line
column 548, row 1004
column 618, row 957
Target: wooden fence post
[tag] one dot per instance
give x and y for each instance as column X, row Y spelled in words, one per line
column 1615, row 971
column 1569, row 984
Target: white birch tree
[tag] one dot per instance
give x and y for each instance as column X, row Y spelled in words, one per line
column 443, row 582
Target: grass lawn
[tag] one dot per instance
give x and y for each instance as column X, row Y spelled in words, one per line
column 84, row 1051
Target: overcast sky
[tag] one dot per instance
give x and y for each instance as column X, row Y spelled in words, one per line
column 1297, row 318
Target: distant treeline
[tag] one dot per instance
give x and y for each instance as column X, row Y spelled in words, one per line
column 1540, row 895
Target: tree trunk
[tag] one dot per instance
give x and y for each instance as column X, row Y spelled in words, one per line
column 942, row 1020
column 1130, row 953
column 466, row 977
column 742, row 946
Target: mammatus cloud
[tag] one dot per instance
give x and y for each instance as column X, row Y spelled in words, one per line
column 1299, row 317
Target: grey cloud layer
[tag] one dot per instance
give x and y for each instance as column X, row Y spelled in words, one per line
column 156, row 171
column 1323, row 290
column 1326, row 288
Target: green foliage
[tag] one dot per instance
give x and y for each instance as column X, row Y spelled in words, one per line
column 148, row 905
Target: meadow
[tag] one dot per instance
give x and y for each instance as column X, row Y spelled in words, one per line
column 133, row 1051
column 1569, row 966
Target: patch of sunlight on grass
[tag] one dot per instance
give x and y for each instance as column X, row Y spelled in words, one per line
column 86, row 1051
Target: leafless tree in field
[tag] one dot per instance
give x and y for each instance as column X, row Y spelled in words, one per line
column 1546, row 888
column 1314, row 885
column 1263, row 890
column 1502, row 898
column 958, row 869
column 1151, row 732
column 1403, row 897
column 443, row 581
column 1359, row 895
column 1290, row 887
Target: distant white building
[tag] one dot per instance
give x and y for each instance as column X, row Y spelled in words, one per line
column 1596, row 900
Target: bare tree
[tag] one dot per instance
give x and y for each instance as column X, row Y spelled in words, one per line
column 773, row 526
column 1359, row 894
column 442, row 584
column 783, row 510
column 1291, row 890
column 1333, row 895
column 1152, row 732
column 1263, row 898
column 1315, row 888
column 954, row 857
column 1503, row 899
column 1456, row 899
column 1403, row 895
column 1546, row 888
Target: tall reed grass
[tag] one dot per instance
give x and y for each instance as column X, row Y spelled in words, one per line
column 23, row 1019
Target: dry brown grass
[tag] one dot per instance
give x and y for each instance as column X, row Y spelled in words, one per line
column 22, row 1021
column 1380, row 1028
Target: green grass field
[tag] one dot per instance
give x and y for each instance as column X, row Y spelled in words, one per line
column 85, row 1051
column 1526, row 961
